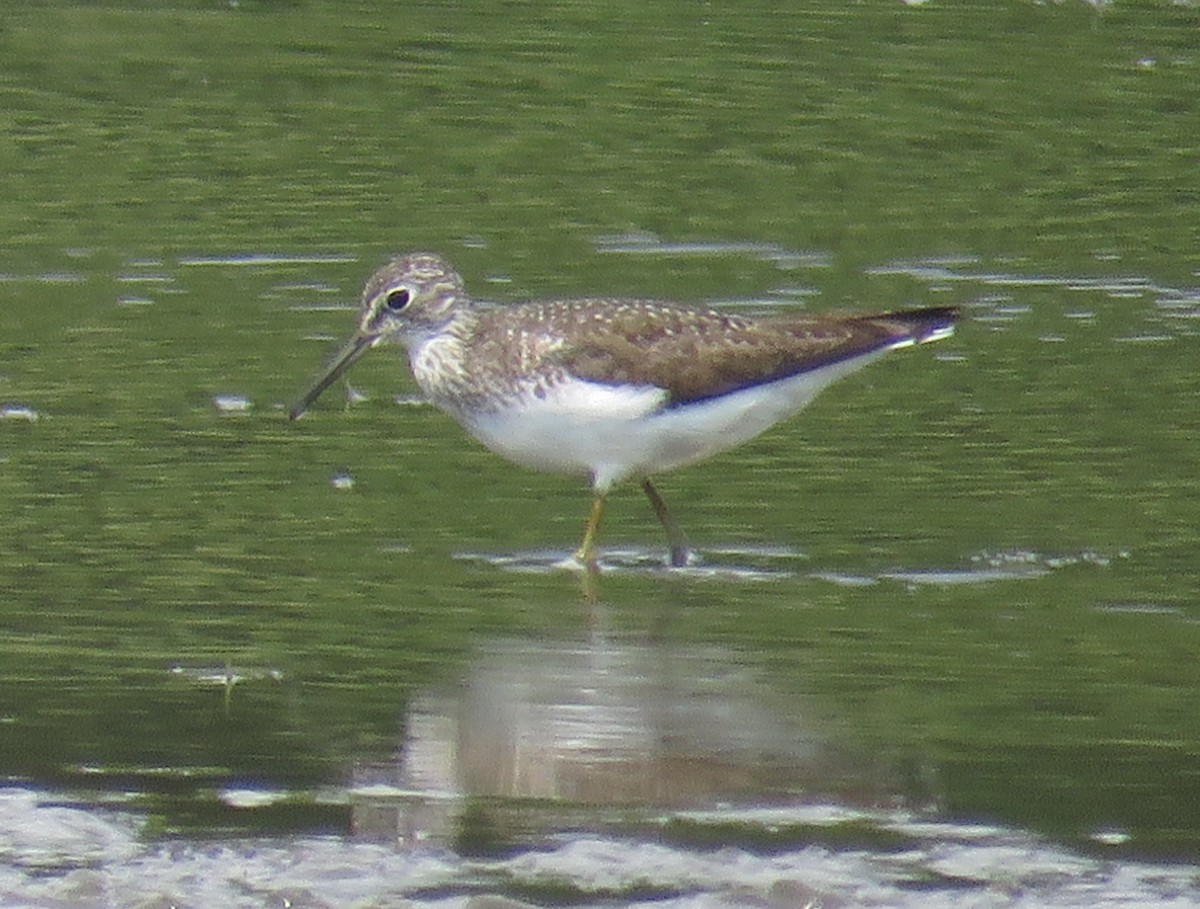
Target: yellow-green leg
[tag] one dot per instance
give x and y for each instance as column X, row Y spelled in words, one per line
column 586, row 555
column 675, row 539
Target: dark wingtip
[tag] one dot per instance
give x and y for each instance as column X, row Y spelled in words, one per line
column 938, row 322
column 930, row 323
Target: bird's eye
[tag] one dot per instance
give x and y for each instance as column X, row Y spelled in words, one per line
column 396, row 300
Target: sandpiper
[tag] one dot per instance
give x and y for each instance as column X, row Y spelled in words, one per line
column 610, row 389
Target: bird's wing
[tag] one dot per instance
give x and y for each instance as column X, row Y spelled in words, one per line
column 698, row 355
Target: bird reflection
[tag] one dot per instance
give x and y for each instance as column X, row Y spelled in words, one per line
column 599, row 724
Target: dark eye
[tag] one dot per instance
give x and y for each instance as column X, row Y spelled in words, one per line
column 397, row 299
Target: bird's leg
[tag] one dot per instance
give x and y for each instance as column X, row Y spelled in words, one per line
column 586, row 555
column 675, row 539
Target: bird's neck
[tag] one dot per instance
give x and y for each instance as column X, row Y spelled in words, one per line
column 439, row 362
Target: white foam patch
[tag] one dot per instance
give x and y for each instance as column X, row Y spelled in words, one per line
column 64, row 856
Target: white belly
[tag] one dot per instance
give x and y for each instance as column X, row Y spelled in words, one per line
column 610, row 433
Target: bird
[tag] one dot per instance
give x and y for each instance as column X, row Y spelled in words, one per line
column 610, row 389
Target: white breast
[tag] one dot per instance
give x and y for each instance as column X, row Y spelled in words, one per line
column 575, row 428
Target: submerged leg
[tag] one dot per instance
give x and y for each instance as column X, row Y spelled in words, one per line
column 675, row 538
column 586, row 555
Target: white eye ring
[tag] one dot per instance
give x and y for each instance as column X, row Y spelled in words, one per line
column 397, row 299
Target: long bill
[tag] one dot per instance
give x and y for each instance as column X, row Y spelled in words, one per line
column 350, row 354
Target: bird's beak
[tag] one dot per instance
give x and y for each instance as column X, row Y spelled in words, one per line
column 350, row 354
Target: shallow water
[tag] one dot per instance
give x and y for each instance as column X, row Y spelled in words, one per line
column 937, row 643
